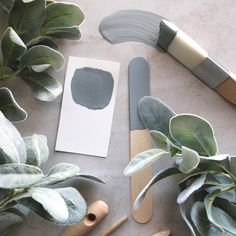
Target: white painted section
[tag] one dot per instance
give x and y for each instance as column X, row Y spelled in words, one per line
column 186, row 50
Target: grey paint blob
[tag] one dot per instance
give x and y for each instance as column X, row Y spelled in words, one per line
column 131, row 26
column 92, row 88
column 139, row 86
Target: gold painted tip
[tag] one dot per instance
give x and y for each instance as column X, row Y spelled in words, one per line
column 227, row 89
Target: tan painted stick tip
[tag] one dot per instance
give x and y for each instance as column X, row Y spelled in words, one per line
column 97, row 211
column 162, row 233
column 227, row 89
column 114, row 226
column 140, row 141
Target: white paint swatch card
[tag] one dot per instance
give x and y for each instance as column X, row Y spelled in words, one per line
column 87, row 106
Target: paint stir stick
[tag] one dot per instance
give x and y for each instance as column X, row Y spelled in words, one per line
column 139, row 86
column 114, row 226
column 97, row 211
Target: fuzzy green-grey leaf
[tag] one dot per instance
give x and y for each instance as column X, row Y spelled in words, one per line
column 229, row 195
column 186, row 193
column 47, row 42
column 18, row 175
column 90, row 177
column 37, row 149
column 184, row 215
column 43, row 85
column 27, row 18
column 12, row 46
column 72, row 33
column 59, row 173
column 155, row 114
column 36, row 208
column 227, row 206
column 51, row 201
column 190, row 160
column 9, row 107
column 143, row 160
column 159, row 176
column 194, row 132
column 63, row 170
column 12, row 146
column 211, row 167
column 163, row 142
column 62, row 15
column 73, row 200
column 223, row 181
column 203, row 225
column 219, row 157
column 41, row 55
column 217, row 216
column 76, row 205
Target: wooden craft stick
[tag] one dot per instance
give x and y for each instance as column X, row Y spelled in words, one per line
column 114, row 226
column 139, row 86
column 97, row 211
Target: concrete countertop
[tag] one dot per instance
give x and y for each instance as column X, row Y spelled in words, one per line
column 212, row 24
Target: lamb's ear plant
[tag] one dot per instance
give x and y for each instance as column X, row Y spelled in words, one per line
column 29, row 49
column 24, row 187
column 207, row 177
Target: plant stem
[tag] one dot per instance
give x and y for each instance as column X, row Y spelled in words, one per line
column 16, row 195
column 11, row 76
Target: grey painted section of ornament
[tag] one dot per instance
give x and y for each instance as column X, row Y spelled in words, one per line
column 139, row 86
column 210, row 73
column 131, row 26
column 92, row 88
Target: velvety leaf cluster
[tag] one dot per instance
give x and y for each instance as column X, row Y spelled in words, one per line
column 24, row 187
column 29, row 48
column 208, row 177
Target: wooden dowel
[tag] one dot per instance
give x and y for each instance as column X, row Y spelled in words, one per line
column 162, row 233
column 114, row 226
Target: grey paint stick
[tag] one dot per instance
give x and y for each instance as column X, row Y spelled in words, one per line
column 139, row 86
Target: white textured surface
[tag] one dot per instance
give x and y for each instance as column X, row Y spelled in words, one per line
column 213, row 24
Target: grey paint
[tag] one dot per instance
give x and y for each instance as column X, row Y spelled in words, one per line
column 131, row 26
column 149, row 28
column 139, row 86
column 155, row 115
column 92, row 88
column 166, row 35
column 210, row 73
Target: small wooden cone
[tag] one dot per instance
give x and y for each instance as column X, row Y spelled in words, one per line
column 97, row 211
